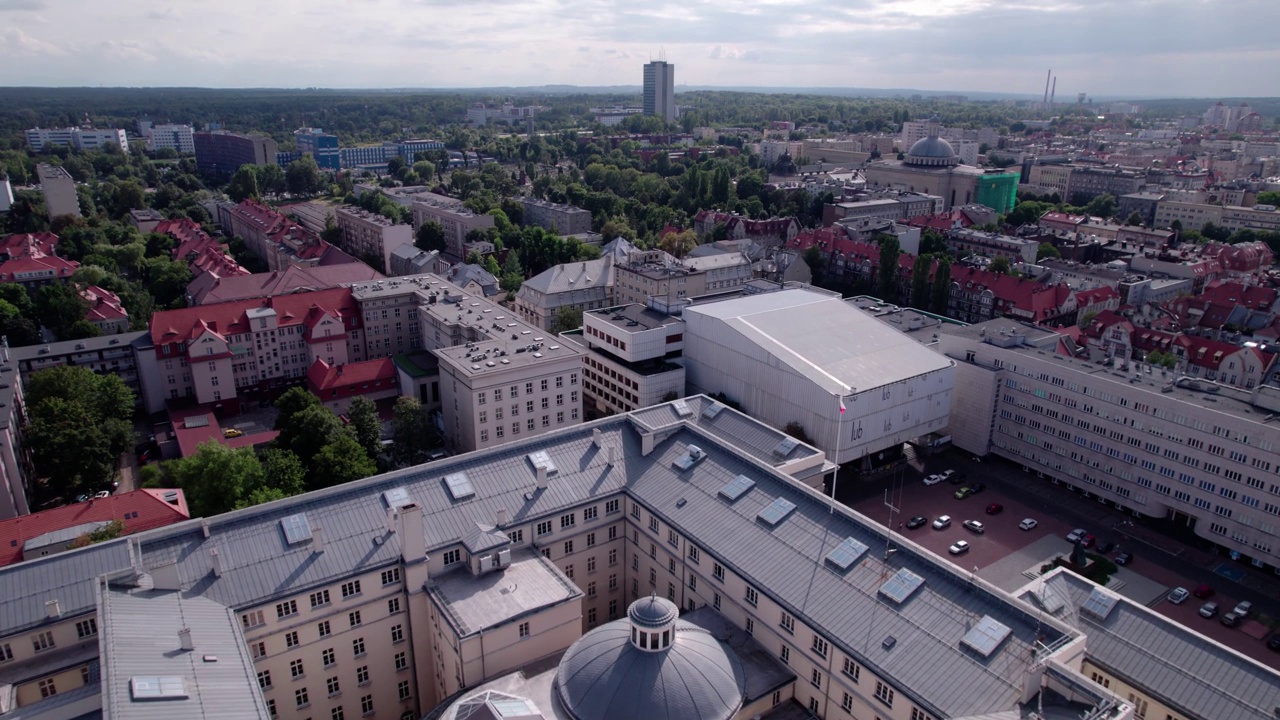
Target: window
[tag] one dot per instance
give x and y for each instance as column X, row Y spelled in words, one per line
column 753, row 598
column 846, row 703
column 351, row 588
column 653, row 524
column 635, row 511
column 751, row 627
column 613, row 556
column 814, row 707
column 287, row 608
column 87, row 628
column 673, row 539
column 785, row 655
column 611, row 507
column 591, row 564
column 524, row 630
column 568, row 521
column 613, row 609
column 516, row 536
column 397, row 633
column 353, row 618
column 264, row 679
column 295, row 669
column 851, row 670
column 402, row 661
column 258, row 649
column 42, row 641
column 717, row 571
column 253, row 619
column 452, row 557
column 323, row 628
column 591, row 615
column 788, row 622
column 329, row 657
column 884, row 693
column 271, row 708
column 337, row 714
column 362, row 675
column 393, row 605
column 816, row 678
column 544, row 528
column 300, row 698
column 568, row 547
column 590, row 514
column 333, row 686
column 568, row 571
column 390, row 576
column 693, row 554
column 319, row 598
column 291, row 638
column 819, row 646
column 918, row 714
column 402, row 690
column 357, row 647
column 366, row 705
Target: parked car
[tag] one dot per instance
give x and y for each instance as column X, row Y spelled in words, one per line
column 946, row 474
column 933, row 480
column 963, row 493
column 1028, row 524
column 102, row 494
column 232, row 433
column 1178, row 595
column 1106, row 547
column 1273, row 642
column 917, row 521
column 82, row 497
column 1242, row 608
column 1202, row 591
column 974, row 526
column 1231, row 619
column 957, row 478
column 1087, row 540
column 958, row 547
column 1209, row 609
column 1124, row 558
column 995, row 509
column 977, row 488
column 942, row 523
column 1075, row 535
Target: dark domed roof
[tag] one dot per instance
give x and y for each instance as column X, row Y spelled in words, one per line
column 653, row 612
column 932, row 147
column 604, row 676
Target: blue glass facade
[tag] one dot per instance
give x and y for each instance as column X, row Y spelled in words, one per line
column 321, row 146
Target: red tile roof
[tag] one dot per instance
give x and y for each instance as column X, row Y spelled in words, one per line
column 1032, row 301
column 1205, row 352
column 104, row 305
column 1254, row 297
column 138, row 510
column 1085, row 298
column 28, row 244
column 201, row 252
column 940, row 221
column 174, row 326
column 322, row 376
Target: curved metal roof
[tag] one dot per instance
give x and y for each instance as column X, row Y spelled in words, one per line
column 653, row 612
column 932, row 147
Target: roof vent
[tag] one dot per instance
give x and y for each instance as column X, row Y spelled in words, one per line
column 693, row 455
column 184, row 639
column 737, row 487
column 296, row 528
column 889, row 642
column 776, row 511
column 460, row 487
column 53, row 609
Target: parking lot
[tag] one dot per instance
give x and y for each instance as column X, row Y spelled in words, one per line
column 1003, row 552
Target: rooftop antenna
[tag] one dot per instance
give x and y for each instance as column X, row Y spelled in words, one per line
column 1046, row 86
column 1053, row 91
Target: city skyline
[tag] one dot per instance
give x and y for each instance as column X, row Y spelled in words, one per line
column 1161, row 48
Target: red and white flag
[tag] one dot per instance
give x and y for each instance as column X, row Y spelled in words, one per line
column 841, row 406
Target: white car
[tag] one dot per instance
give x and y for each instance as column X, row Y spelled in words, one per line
column 101, row 494
column 959, row 547
column 1028, row 524
column 946, row 474
column 1076, row 534
column 933, row 479
column 942, row 523
column 1178, row 595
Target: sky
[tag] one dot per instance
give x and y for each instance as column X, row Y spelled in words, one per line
column 1131, row 48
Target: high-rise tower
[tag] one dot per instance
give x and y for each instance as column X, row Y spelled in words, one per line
column 660, row 90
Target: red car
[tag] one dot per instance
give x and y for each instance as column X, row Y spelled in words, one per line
column 995, row 509
column 1202, row 591
column 1088, row 541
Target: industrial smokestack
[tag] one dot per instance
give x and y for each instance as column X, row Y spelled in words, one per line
column 1053, row 91
column 1046, row 86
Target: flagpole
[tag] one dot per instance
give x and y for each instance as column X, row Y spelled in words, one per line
column 835, row 475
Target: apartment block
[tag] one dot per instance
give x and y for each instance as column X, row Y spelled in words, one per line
column 372, row 236
column 631, row 357
column 453, row 216
column 321, row 146
column 16, row 470
column 79, row 138
column 276, row 239
column 59, row 191
column 1194, row 451
column 966, row 241
column 220, row 153
column 654, row 273
column 563, row 219
column 30, row 260
column 585, row 286
column 180, row 138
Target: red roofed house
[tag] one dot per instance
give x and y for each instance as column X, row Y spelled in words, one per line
column 951, row 220
column 1095, row 301
column 203, row 254
column 278, row 240
column 105, row 310
column 29, row 259
column 1246, row 258
column 774, row 231
column 337, row 385
column 978, row 295
column 51, row 531
column 1221, row 362
column 1062, row 221
column 1113, row 332
column 216, row 353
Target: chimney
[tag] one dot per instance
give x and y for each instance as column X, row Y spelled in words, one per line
column 597, row 438
column 184, row 639
column 609, row 455
column 413, row 543
column 52, row 609
column 204, row 526
column 646, row 444
column 541, row 470
column 501, row 517
column 216, row 560
column 317, row 539
column 391, row 521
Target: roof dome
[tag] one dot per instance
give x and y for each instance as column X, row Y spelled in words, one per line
column 650, row 665
column 932, row 150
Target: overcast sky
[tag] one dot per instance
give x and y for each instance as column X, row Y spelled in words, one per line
column 1203, row 48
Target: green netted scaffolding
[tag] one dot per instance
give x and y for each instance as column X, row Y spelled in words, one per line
column 998, row 191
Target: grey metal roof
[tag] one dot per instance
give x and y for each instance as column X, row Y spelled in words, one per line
column 65, row 577
column 70, row 347
column 473, row 603
column 1200, row 677
column 603, row 675
column 141, row 629
column 565, row 277
column 823, row 339
column 652, row 612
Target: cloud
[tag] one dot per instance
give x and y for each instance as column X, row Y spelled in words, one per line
column 168, row 13
column 16, row 5
column 130, row 51
column 720, row 52
column 20, row 43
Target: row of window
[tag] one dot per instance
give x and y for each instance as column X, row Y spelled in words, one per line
column 317, row 599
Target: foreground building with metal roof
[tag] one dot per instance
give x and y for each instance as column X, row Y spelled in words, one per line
column 396, row 594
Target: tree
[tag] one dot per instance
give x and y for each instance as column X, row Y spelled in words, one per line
column 271, row 179
column 889, row 251
column 430, row 237
column 15, row 328
column 303, row 176
column 425, row 170
column 244, row 183
column 932, row 242
column 920, row 283
column 68, row 447
column 1047, row 250
column 128, row 195
column 105, row 396
column 679, row 244
column 512, row 274
column 59, row 306
column 1268, row 197
column 331, row 234
column 567, row 318
column 1134, row 219
column 1103, row 206
column 363, row 415
column 110, row 531
column 941, row 286
column 283, row 472
column 341, row 461
column 291, row 402
column 308, row 431
column 409, row 431
column 999, row 265
column 216, row 478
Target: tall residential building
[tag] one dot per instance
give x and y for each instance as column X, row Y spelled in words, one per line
column 16, row 470
column 180, row 138
column 321, row 146
column 654, row 273
column 370, row 236
column 221, row 153
column 59, row 190
column 631, row 357
column 454, row 218
column 660, row 90
column 79, row 138
column 585, row 285
column 563, row 219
